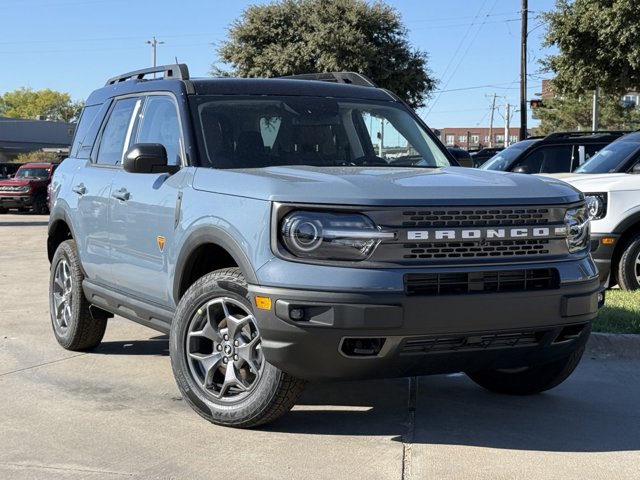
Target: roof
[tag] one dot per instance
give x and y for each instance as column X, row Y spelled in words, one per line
column 236, row 86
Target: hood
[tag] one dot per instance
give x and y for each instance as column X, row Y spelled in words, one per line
column 17, row 182
column 385, row 186
column 601, row 182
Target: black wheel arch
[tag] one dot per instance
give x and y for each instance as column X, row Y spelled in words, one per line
column 205, row 250
column 59, row 230
column 627, row 229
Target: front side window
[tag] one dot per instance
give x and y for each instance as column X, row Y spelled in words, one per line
column 323, row 132
column 159, row 124
column 117, row 131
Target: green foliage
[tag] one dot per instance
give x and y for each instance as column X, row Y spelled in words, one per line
column 599, row 44
column 303, row 36
column 575, row 113
column 38, row 156
column 621, row 313
column 52, row 105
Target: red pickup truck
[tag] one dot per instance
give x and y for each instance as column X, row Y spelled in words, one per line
column 27, row 189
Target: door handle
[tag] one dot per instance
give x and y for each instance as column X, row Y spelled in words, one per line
column 80, row 189
column 122, row 194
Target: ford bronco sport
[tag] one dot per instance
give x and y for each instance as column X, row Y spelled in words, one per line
column 27, row 190
column 287, row 230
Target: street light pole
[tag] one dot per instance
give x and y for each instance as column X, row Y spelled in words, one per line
column 523, row 72
column 154, row 43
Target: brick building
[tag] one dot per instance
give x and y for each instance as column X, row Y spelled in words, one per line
column 476, row 137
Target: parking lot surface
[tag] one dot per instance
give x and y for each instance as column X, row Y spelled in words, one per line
column 116, row 412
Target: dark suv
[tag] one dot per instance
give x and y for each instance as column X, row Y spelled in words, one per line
column 556, row 153
column 285, row 230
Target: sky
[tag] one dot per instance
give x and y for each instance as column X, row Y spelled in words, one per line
column 74, row 46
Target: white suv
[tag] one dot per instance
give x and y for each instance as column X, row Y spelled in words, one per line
column 614, row 205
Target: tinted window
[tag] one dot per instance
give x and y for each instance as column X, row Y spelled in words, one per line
column 159, row 124
column 266, row 131
column 33, row 173
column 117, row 131
column 502, row 160
column 551, row 159
column 86, row 131
column 610, row 158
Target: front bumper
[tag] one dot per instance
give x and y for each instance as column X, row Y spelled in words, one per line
column 16, row 201
column 602, row 248
column 323, row 335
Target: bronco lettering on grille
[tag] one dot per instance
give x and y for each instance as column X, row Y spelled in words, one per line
column 483, row 233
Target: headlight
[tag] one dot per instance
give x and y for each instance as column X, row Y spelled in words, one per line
column 578, row 229
column 330, row 236
column 597, row 204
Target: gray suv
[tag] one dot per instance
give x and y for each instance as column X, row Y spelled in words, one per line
column 304, row 229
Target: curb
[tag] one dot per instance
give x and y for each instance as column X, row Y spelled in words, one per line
column 613, row 346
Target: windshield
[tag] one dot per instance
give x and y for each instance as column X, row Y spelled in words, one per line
column 609, row 159
column 502, row 160
column 32, row 173
column 253, row 132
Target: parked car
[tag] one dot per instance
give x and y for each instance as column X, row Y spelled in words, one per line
column 255, row 222
column 462, row 156
column 555, row 153
column 614, row 207
column 620, row 156
column 484, row 154
column 27, row 190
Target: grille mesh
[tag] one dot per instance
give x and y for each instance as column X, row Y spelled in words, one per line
column 474, row 217
column 481, row 281
column 498, row 248
column 480, row 342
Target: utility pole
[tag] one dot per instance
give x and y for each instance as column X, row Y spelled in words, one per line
column 493, row 108
column 154, row 43
column 596, row 110
column 506, row 125
column 523, row 71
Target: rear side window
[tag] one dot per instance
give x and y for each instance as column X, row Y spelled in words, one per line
column 117, row 131
column 548, row 159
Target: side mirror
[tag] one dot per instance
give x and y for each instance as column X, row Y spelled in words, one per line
column 148, row 158
column 521, row 169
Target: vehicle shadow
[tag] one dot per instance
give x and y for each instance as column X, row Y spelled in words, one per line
column 585, row 414
column 155, row 346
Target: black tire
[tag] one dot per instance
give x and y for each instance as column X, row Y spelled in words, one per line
column 214, row 328
column 629, row 265
column 528, row 380
column 40, row 206
column 74, row 327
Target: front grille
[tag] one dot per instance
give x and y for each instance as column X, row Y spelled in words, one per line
column 474, row 217
column 490, row 341
column 10, row 188
column 481, row 282
column 488, row 248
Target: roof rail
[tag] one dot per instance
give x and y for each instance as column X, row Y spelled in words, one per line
column 352, row 78
column 585, row 132
column 177, row 71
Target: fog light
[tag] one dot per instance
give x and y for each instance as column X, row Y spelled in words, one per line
column 296, row 314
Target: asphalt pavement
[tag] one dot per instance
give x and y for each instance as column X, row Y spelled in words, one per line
column 116, row 413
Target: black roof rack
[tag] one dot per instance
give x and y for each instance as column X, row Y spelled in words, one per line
column 585, row 132
column 178, row 71
column 352, row 78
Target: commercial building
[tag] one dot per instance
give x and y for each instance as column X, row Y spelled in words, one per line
column 19, row 135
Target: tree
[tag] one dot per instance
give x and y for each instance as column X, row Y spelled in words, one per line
column 302, row 36
column 52, row 105
column 599, row 44
column 575, row 113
